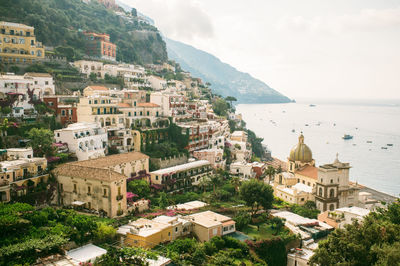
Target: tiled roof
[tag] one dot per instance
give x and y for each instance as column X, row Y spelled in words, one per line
column 309, row 171
column 127, row 105
column 98, row 88
column 147, row 105
column 104, row 162
column 85, row 172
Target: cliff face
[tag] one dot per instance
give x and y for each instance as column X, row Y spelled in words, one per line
column 59, row 23
column 225, row 79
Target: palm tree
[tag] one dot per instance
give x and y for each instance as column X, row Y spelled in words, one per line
column 204, row 181
column 235, row 181
column 270, row 172
column 215, row 180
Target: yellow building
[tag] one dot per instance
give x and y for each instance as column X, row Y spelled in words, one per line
column 17, row 175
column 146, row 233
column 18, row 44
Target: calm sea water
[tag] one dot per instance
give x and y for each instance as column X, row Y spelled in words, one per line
column 327, row 123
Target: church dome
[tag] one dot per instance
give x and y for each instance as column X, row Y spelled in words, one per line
column 301, row 152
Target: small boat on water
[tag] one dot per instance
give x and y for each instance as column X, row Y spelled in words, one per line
column 312, row 105
column 334, row 124
column 390, row 144
column 384, row 148
column 293, row 130
column 369, row 141
column 306, row 125
column 346, row 136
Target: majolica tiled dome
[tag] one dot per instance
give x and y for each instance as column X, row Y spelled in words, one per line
column 301, row 152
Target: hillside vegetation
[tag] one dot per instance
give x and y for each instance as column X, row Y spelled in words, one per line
column 58, row 23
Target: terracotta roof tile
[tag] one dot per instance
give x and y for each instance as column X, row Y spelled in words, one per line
column 309, row 171
column 85, row 172
column 123, row 105
column 104, row 162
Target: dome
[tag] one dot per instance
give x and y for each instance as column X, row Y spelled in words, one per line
column 301, row 152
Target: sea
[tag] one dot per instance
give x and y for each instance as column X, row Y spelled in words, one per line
column 373, row 153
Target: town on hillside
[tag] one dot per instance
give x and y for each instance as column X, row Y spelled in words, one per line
column 106, row 162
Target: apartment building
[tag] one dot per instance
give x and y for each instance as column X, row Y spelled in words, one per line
column 172, row 104
column 214, row 156
column 86, row 140
column 23, row 91
column 18, row 44
column 100, row 109
column 199, row 134
column 20, row 172
column 98, row 45
column 181, row 177
column 88, row 67
column 64, row 107
column 140, row 114
column 208, row 224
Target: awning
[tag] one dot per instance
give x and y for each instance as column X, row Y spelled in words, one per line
column 78, row 203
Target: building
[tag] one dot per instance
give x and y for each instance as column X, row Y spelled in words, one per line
column 64, row 107
column 86, row 140
column 208, row 224
column 240, row 136
column 100, row 109
column 333, row 189
column 180, row 177
column 20, row 173
column 98, row 45
column 92, row 188
column 198, row 133
column 214, row 156
column 329, row 183
column 18, row 44
column 96, row 90
column 140, row 114
column 22, row 92
column 296, row 194
column 146, row 233
column 88, row 67
column 340, row 217
column 172, row 104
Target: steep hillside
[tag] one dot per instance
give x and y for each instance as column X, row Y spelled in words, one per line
column 58, row 23
column 225, row 79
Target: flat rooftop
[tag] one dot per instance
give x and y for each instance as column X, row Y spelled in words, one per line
column 181, row 167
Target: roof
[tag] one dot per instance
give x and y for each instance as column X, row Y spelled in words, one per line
column 302, row 187
column 188, row 205
column 123, row 105
column 354, row 210
column 309, row 171
column 85, row 172
column 86, row 253
column 181, row 167
column 11, row 24
column 97, row 88
column 39, row 75
column 296, row 219
column 143, row 227
column 209, row 219
column 147, row 105
column 112, row 160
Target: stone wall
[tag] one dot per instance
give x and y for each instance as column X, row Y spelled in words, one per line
column 160, row 163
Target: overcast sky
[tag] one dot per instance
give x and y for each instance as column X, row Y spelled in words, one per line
column 307, row 48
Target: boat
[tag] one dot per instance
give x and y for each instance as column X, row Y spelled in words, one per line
column 369, row 141
column 390, row 144
column 306, row 125
column 334, row 124
column 312, row 105
column 293, row 130
column 346, row 136
column 384, row 148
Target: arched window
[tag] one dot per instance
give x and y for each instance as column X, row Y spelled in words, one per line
column 320, row 191
column 331, row 193
column 331, row 207
column 331, row 181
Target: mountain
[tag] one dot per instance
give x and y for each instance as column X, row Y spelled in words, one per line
column 224, row 79
column 61, row 22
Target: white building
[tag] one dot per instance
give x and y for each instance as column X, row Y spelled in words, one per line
column 172, row 104
column 19, row 153
column 86, row 140
column 88, row 67
column 340, row 217
column 25, row 90
column 157, row 83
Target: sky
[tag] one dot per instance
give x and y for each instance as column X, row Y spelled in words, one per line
column 303, row 49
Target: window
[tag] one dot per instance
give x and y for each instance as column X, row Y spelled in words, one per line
column 74, row 187
column 331, row 193
column 331, row 181
column 32, row 42
column 61, row 187
column 320, row 191
column 105, row 192
column 46, row 82
column 215, row 231
column 176, row 229
column 88, row 189
column 169, row 233
column 21, row 41
column 331, row 207
column 62, row 112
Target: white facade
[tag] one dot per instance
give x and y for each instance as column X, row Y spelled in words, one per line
column 157, row 83
column 88, row 67
column 86, row 140
column 19, row 153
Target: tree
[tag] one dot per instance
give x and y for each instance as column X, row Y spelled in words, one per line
column 215, row 180
column 277, row 223
column 375, row 241
column 220, row 107
column 231, row 99
column 126, row 256
column 256, row 194
column 163, row 200
column 235, row 181
column 104, row 232
column 140, row 187
column 41, row 141
column 242, row 220
column 270, row 172
column 134, row 12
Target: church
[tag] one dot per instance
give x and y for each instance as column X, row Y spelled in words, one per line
column 328, row 185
